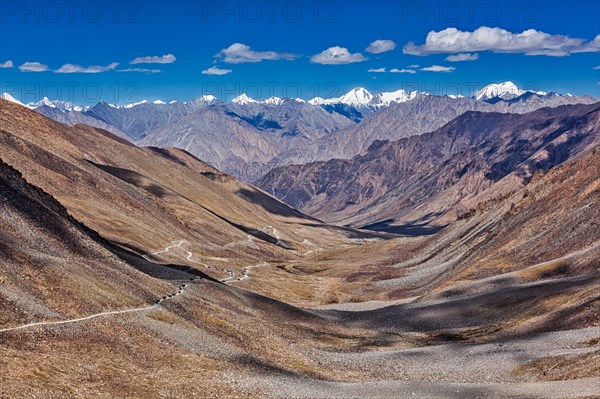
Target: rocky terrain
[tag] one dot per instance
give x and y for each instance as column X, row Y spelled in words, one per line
column 144, row 272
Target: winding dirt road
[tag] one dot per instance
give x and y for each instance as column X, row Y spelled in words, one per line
column 246, row 270
column 180, row 291
column 231, row 278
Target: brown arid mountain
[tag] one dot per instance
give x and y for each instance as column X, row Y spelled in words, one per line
column 234, row 144
column 420, row 183
column 111, row 256
column 43, row 250
column 153, row 200
column 242, row 139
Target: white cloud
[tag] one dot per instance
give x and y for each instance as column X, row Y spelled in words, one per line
column 377, row 70
column 413, row 66
column 381, row 46
column 33, row 67
column 596, row 67
column 239, row 53
column 529, row 42
column 336, row 56
column 590, row 47
column 438, row 68
column 156, row 59
column 462, row 57
column 140, row 70
column 213, row 70
column 396, row 70
column 7, row 64
column 71, row 68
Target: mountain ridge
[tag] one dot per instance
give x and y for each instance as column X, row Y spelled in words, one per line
column 358, row 96
column 393, row 180
column 288, row 131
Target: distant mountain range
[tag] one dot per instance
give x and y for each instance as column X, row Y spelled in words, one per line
column 426, row 181
column 248, row 137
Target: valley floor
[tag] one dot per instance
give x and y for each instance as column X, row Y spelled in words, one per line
column 171, row 355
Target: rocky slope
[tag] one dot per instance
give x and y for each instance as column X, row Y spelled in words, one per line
column 52, row 266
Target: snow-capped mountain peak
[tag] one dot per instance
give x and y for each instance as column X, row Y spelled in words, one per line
column 8, row 97
column 44, row 101
column 64, row 106
column 361, row 97
column 207, row 98
column 386, row 98
column 158, row 102
column 274, row 101
column 357, row 96
column 505, row 91
column 243, row 99
column 136, row 104
column 318, row 101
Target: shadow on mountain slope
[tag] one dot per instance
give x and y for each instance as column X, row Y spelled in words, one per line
column 408, row 229
column 271, row 204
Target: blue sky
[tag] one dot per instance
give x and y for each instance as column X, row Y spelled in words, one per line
column 287, row 48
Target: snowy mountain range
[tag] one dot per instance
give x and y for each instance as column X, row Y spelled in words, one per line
column 361, row 97
column 505, row 91
column 358, row 97
column 65, row 106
